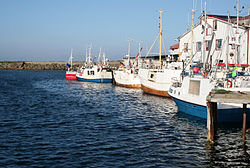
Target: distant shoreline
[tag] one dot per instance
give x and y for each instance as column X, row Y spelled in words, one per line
column 43, row 65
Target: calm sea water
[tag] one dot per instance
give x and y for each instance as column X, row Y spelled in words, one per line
column 46, row 121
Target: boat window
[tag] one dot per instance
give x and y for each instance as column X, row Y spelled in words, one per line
column 194, row 87
column 92, row 72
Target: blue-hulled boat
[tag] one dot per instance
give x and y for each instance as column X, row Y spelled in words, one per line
column 190, row 97
column 99, row 72
column 95, row 74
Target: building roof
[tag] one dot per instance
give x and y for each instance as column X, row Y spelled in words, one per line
column 221, row 17
column 175, row 46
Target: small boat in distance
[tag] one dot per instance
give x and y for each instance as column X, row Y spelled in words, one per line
column 70, row 74
column 127, row 75
column 99, row 73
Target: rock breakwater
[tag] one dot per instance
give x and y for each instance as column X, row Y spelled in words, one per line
column 23, row 65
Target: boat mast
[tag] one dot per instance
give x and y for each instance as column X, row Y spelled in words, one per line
column 139, row 56
column 71, row 58
column 160, row 42
column 89, row 56
column 104, row 58
column 160, row 37
column 237, row 16
column 99, row 58
column 204, row 36
column 192, row 34
column 227, row 49
column 86, row 61
column 128, row 55
column 237, row 33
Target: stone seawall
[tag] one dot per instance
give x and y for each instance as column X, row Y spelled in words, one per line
column 22, row 65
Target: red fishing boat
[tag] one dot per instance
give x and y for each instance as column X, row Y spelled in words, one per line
column 70, row 73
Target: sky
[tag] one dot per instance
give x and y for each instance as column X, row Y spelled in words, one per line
column 46, row 30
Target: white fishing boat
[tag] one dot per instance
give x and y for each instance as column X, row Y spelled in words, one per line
column 127, row 75
column 70, row 73
column 127, row 78
column 100, row 73
column 190, row 93
column 157, row 81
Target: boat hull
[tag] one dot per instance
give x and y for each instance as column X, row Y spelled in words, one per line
column 95, row 74
column 224, row 115
column 95, row 80
column 157, row 82
column 155, row 92
column 70, row 76
column 136, row 86
column 127, row 79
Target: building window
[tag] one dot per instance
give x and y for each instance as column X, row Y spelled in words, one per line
column 185, row 47
column 218, row 44
column 209, row 31
column 208, row 44
column 215, row 25
column 198, row 46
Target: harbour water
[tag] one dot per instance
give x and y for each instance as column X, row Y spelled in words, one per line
column 46, row 121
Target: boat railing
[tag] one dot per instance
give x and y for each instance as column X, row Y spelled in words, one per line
column 175, row 82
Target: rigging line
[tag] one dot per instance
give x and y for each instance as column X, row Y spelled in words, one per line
column 164, row 49
column 152, row 45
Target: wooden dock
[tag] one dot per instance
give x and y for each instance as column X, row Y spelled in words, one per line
column 225, row 97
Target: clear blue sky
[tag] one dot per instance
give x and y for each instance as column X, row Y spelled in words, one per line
column 45, row 30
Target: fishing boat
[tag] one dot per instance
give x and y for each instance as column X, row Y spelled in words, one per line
column 156, row 81
column 190, row 92
column 190, row 95
column 99, row 72
column 70, row 73
column 127, row 75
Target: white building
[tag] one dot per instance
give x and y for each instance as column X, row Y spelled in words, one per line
column 223, row 40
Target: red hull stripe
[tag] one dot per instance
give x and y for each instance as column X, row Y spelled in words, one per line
column 241, row 65
column 71, row 76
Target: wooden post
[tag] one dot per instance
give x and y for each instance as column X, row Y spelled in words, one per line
column 244, row 126
column 211, row 121
column 215, row 114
